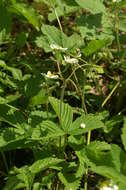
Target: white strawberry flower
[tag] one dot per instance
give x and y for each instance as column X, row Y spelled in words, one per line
column 112, row 187
column 57, row 47
column 68, row 59
column 116, row 1
column 51, row 75
column 79, row 53
column 106, row 188
column 82, row 125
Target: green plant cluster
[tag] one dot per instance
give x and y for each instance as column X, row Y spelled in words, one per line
column 62, row 94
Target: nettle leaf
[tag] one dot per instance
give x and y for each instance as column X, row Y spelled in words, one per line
column 36, row 117
column 95, row 6
column 123, row 136
column 40, row 98
column 46, row 130
column 95, row 46
column 28, row 12
column 64, row 8
column 7, row 80
column 11, row 138
column 118, row 158
column 23, row 178
column 82, row 166
column 52, row 35
column 95, row 26
column 26, row 176
column 16, row 73
column 103, row 159
column 64, row 113
column 69, row 181
column 5, row 24
column 41, row 165
column 84, row 124
column 11, row 115
column 14, row 183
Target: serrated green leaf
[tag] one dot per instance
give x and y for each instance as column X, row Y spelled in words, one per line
column 23, row 178
column 11, row 139
column 63, row 9
column 41, row 165
column 11, row 115
column 47, row 129
column 28, row 12
column 54, row 36
column 69, row 180
column 16, row 73
column 5, row 24
column 95, row 6
column 84, row 124
column 40, row 98
column 95, row 46
column 95, row 26
column 14, row 183
column 104, row 161
column 64, row 113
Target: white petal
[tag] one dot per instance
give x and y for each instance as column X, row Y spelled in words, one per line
column 70, row 60
column 115, row 187
column 82, row 125
column 106, row 188
column 57, row 47
column 51, row 76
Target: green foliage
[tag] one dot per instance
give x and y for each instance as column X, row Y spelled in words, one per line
column 43, row 164
column 84, row 124
column 69, row 181
column 51, row 35
column 5, row 24
column 94, row 46
column 94, row 7
column 28, row 12
column 62, row 94
column 123, row 136
column 64, row 113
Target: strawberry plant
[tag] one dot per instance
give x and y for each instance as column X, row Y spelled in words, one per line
column 62, row 95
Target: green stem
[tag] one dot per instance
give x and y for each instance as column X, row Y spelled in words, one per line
column 88, row 141
column 5, row 161
column 118, row 42
column 117, row 32
column 57, row 17
column 58, row 20
column 110, row 94
column 61, row 100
